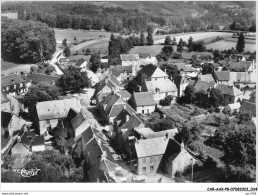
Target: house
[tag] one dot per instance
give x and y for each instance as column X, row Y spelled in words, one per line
column 243, row 79
column 231, row 93
column 147, row 133
column 149, row 153
column 79, row 124
column 206, row 77
column 123, row 73
column 181, row 83
column 203, row 86
column 37, row 78
column 28, row 142
column 143, row 102
column 111, row 106
column 15, row 124
column 15, row 84
column 248, row 106
column 49, row 112
column 130, row 59
column 81, row 63
column 146, row 58
column 232, row 108
column 92, row 77
column 187, row 69
column 242, row 66
column 105, row 87
column 223, row 77
column 125, row 133
column 176, row 158
column 10, row 104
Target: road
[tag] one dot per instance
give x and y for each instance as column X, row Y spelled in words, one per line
column 9, row 144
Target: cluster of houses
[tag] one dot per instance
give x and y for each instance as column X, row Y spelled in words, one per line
column 141, row 149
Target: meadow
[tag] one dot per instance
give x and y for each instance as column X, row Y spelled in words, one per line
column 9, row 67
column 227, row 44
column 153, row 50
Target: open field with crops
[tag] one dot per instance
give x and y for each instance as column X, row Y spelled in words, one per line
column 9, row 67
column 196, row 36
column 153, row 49
column 227, row 44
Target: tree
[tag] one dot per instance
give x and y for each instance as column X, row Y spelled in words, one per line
column 189, row 94
column 216, row 98
column 190, row 44
column 10, row 177
column 95, row 62
column 26, row 41
column 171, row 70
column 233, row 26
column 174, row 41
column 217, row 56
column 73, row 80
column 252, row 28
column 59, row 134
column 67, row 52
column 168, row 40
column 132, row 86
column 142, row 39
column 64, row 43
column 180, row 46
column 208, row 69
column 166, row 52
column 39, row 93
column 75, row 39
column 149, row 37
column 88, row 51
column 240, row 43
column 49, row 70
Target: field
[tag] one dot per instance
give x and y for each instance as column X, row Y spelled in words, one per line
column 10, row 15
column 69, row 34
column 9, row 67
column 196, row 36
column 153, row 50
column 224, row 44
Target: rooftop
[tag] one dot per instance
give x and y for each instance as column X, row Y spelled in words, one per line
column 248, row 106
column 125, row 57
column 144, row 99
column 207, row 78
column 223, row 75
column 203, row 85
column 12, row 79
column 39, row 78
column 151, row 147
column 163, row 85
column 229, row 90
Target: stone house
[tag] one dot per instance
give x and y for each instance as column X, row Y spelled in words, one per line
column 146, row 58
column 37, row 78
column 82, row 63
column 143, row 102
column 130, row 59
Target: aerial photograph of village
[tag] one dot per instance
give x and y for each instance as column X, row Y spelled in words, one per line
column 128, row 92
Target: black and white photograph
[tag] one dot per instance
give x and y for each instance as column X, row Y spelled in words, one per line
column 128, row 92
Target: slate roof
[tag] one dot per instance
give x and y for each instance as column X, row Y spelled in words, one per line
column 144, row 55
column 207, row 78
column 80, row 62
column 248, row 106
column 170, row 132
column 57, row 108
column 125, row 57
column 39, row 78
column 151, row 147
column 27, row 138
column 186, row 68
column 133, row 122
column 115, row 73
column 150, row 70
column 203, row 85
column 7, row 80
column 144, row 99
column 229, row 90
column 116, row 109
column 124, row 94
column 164, row 85
column 240, row 65
column 38, row 141
column 122, row 69
column 223, row 75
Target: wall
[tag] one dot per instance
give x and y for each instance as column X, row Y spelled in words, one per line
column 130, row 62
column 149, row 161
column 182, row 89
column 151, row 109
column 38, row 148
column 159, row 96
column 43, row 125
column 231, row 99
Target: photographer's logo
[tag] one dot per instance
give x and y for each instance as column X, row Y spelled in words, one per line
column 28, row 173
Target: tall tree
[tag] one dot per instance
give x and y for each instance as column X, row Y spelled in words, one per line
column 94, row 62
column 190, row 44
column 74, row 80
column 189, row 94
column 142, row 39
column 240, row 47
column 180, row 45
column 149, row 37
column 216, row 98
column 168, row 40
column 64, row 43
column 174, row 41
column 67, row 52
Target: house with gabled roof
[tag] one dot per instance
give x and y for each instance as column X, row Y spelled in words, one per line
column 130, row 59
column 37, row 78
column 223, row 77
column 231, row 93
column 81, row 63
column 242, row 66
column 147, row 133
column 111, row 106
column 124, row 95
column 248, row 106
column 15, row 84
column 123, row 73
column 146, row 58
column 50, row 112
column 206, row 77
column 143, row 102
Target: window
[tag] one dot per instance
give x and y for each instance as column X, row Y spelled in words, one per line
column 151, row 159
column 142, row 111
column 144, row 160
column 152, row 168
column 143, row 169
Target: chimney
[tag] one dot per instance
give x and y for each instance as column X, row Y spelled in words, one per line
column 124, row 106
column 182, row 146
column 127, row 117
column 19, row 139
column 140, row 88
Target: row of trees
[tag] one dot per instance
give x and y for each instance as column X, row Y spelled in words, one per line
column 26, row 42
